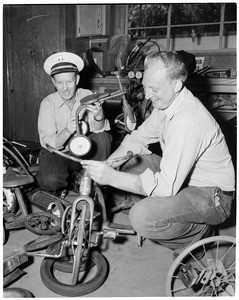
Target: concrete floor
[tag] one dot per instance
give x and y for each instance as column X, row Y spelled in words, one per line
column 133, row 271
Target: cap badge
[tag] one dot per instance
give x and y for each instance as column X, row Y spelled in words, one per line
column 60, row 58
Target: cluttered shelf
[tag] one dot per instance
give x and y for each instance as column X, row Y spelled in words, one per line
column 107, row 84
column 218, row 94
column 213, row 85
column 210, row 85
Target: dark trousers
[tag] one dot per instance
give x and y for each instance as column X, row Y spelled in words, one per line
column 179, row 220
column 54, row 170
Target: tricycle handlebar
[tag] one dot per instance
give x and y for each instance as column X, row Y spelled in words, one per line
column 109, row 162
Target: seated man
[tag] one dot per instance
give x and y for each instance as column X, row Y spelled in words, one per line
column 57, row 124
column 191, row 187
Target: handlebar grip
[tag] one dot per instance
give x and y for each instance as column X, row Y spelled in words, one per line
column 92, row 98
column 54, row 150
column 121, row 159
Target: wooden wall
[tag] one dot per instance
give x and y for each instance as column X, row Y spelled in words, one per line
column 32, row 33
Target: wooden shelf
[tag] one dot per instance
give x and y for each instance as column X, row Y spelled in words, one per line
column 196, row 85
column 225, row 114
column 212, row 85
column 106, row 84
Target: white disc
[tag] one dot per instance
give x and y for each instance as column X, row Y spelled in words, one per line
column 80, row 145
column 139, row 75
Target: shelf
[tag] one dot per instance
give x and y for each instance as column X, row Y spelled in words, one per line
column 196, row 85
column 212, row 85
column 107, row 84
column 225, row 114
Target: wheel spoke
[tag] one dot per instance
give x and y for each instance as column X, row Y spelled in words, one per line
column 228, row 250
column 179, row 289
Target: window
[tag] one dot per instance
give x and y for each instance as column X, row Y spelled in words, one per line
column 183, row 20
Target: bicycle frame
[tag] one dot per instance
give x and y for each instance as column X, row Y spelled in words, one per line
column 84, row 195
column 80, row 236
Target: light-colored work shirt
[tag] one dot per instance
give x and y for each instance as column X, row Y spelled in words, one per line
column 193, row 146
column 54, row 113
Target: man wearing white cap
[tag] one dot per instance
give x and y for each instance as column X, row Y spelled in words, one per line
column 56, row 121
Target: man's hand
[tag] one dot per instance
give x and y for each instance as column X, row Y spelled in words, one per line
column 96, row 110
column 99, row 171
column 105, row 175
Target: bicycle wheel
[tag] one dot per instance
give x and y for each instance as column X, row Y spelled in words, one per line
column 65, row 264
column 42, row 223
column 79, row 248
column 42, row 242
column 16, row 293
column 65, row 220
column 90, row 280
column 211, row 275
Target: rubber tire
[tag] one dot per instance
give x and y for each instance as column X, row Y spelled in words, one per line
column 38, row 230
column 47, row 276
column 36, row 245
column 66, row 266
column 16, row 293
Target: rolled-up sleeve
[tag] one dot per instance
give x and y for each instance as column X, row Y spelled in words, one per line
column 149, row 181
column 46, row 124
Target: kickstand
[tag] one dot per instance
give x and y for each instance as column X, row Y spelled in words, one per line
column 140, row 240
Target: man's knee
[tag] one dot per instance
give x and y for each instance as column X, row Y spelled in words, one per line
column 150, row 222
column 101, row 145
column 139, row 217
column 101, row 138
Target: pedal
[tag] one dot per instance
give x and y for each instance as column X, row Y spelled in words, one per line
column 120, row 228
column 139, row 240
column 15, row 223
column 55, row 250
column 110, row 234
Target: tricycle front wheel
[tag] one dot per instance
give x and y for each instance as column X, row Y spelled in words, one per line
column 87, row 284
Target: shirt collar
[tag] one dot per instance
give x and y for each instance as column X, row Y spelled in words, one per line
column 60, row 102
column 175, row 104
